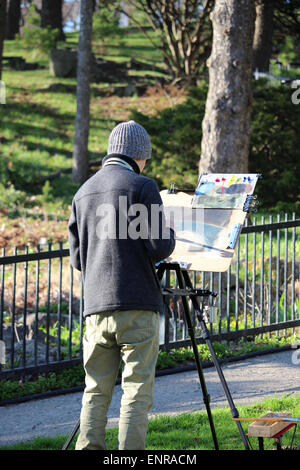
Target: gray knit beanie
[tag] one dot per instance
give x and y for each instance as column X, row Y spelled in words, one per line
column 130, row 139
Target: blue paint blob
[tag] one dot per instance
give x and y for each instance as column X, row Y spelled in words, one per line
column 204, row 188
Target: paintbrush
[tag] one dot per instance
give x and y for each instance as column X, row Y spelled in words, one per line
column 273, row 419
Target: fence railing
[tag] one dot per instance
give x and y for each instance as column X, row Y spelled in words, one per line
column 42, row 298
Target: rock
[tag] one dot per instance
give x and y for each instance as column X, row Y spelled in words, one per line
column 6, row 333
column 61, row 88
column 42, row 318
column 122, row 91
column 30, row 328
column 30, row 319
column 19, row 63
column 296, row 290
column 108, row 71
column 41, row 353
column 63, row 62
column 134, row 64
column 130, row 90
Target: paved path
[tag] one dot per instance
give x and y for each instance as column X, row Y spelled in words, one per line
column 249, row 381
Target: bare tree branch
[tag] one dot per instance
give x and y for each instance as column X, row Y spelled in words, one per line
column 181, row 25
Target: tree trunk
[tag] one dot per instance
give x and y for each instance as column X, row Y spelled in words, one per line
column 226, row 124
column 3, row 4
column 80, row 170
column 262, row 44
column 51, row 15
column 13, row 19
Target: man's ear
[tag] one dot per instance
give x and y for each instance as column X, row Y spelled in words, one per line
column 140, row 163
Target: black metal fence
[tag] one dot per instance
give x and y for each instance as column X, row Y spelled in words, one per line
column 41, row 299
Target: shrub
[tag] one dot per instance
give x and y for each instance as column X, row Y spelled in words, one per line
column 40, row 40
column 106, row 26
column 274, row 149
column 176, row 138
column 4, row 175
column 10, row 198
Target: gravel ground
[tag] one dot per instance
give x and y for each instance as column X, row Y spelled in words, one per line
column 249, row 381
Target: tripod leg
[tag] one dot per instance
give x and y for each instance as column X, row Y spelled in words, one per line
column 206, row 397
column 234, row 411
column 206, row 337
column 71, row 436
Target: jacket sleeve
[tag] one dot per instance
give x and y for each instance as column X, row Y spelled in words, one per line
column 160, row 242
column 74, row 239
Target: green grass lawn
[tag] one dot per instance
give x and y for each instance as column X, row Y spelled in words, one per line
column 37, row 133
column 191, row 431
column 37, row 122
column 40, row 122
column 134, row 45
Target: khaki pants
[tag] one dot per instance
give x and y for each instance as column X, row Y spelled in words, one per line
column 111, row 336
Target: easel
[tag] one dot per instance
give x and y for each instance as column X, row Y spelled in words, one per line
column 186, row 290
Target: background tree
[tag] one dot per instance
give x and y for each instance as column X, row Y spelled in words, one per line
column 226, row 124
column 13, row 19
column 3, row 5
column 277, row 32
column 262, row 44
column 51, row 15
column 80, row 168
column 182, row 30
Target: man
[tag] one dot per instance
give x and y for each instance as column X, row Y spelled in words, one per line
column 115, row 238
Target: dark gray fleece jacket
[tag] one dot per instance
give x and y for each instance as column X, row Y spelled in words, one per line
column 118, row 271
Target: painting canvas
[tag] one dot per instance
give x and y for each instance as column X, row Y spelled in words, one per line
column 224, row 191
column 208, row 223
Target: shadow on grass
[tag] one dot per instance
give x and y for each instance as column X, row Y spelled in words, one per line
column 36, row 109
